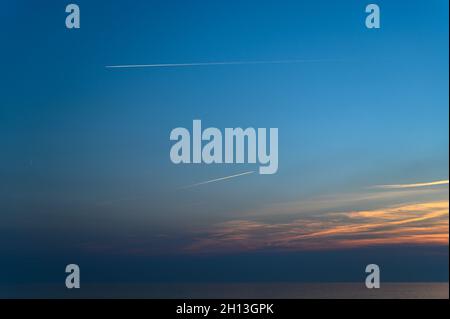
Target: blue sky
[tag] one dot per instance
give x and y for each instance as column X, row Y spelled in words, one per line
column 85, row 161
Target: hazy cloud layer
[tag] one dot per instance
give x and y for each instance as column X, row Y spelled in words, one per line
column 422, row 223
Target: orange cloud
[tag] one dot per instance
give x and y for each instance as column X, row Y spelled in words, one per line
column 422, row 223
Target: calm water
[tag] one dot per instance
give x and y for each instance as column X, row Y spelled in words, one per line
column 238, row 290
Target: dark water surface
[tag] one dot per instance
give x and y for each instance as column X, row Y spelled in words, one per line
column 232, row 290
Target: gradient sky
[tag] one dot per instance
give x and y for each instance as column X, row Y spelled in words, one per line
column 85, row 170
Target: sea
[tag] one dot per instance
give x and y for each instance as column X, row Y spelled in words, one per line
column 280, row 290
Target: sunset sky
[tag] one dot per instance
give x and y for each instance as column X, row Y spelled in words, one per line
column 363, row 141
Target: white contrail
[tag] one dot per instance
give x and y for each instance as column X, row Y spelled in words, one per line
column 170, row 65
column 397, row 186
column 217, row 179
